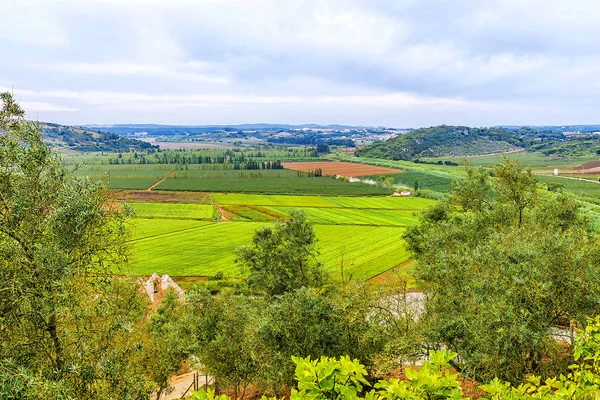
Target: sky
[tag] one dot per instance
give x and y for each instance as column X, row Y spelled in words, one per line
column 395, row 63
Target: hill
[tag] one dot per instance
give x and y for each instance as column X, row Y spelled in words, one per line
column 443, row 140
column 78, row 139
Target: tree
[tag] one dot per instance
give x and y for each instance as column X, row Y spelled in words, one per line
column 67, row 330
column 299, row 323
column 225, row 333
column 503, row 269
column 283, row 257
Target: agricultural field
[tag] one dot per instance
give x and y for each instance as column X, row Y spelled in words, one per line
column 136, row 177
column 203, row 249
column 533, row 160
column 340, row 168
column 264, row 181
column 394, row 203
column 586, row 189
column 273, row 200
column 173, row 211
column 423, row 180
column 352, row 216
column 345, row 227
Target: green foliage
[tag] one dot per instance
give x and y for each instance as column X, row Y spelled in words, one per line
column 224, row 331
column 503, row 269
column 329, row 378
column 283, row 257
column 300, row 323
column 65, row 332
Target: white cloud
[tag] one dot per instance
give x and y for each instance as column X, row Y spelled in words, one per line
column 34, row 106
column 241, row 58
column 31, row 23
column 187, row 71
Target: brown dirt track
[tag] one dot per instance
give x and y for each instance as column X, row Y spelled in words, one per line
column 341, row 168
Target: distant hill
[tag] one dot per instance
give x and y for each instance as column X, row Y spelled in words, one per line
column 444, row 140
column 172, row 130
column 78, row 139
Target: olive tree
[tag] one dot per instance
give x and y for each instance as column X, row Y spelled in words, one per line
column 283, row 257
column 67, row 329
column 504, row 263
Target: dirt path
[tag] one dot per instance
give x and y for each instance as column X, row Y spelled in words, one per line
column 179, row 384
column 170, row 174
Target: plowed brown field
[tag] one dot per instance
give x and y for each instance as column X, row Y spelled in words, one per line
column 341, row 168
column 589, row 168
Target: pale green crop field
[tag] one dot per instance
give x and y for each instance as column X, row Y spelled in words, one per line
column 361, row 236
column 170, row 210
column 273, row 200
column 392, row 203
column 141, row 228
column 208, row 248
column 352, row 216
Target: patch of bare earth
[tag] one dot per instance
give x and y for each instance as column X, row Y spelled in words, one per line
column 589, row 168
column 341, row 168
column 391, row 275
column 160, row 196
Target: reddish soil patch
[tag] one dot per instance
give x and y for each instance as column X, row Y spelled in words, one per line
column 391, row 275
column 589, row 168
column 341, row 168
column 160, row 197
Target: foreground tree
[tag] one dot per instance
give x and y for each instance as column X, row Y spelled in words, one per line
column 504, row 264
column 283, row 257
column 66, row 329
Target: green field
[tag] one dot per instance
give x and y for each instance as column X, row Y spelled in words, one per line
column 579, row 187
column 146, row 228
column 135, row 177
column 207, row 248
column 350, row 216
column 533, row 160
column 360, row 234
column 395, row 203
column 264, row 181
column 273, row 200
column 166, row 210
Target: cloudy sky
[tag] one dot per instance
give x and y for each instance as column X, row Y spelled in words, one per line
column 402, row 63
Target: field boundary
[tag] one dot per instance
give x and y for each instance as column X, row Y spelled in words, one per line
column 170, row 174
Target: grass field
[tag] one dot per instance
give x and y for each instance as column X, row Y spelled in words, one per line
column 203, row 249
column 180, row 211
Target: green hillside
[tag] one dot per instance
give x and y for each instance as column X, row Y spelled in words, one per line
column 77, row 139
column 444, row 140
